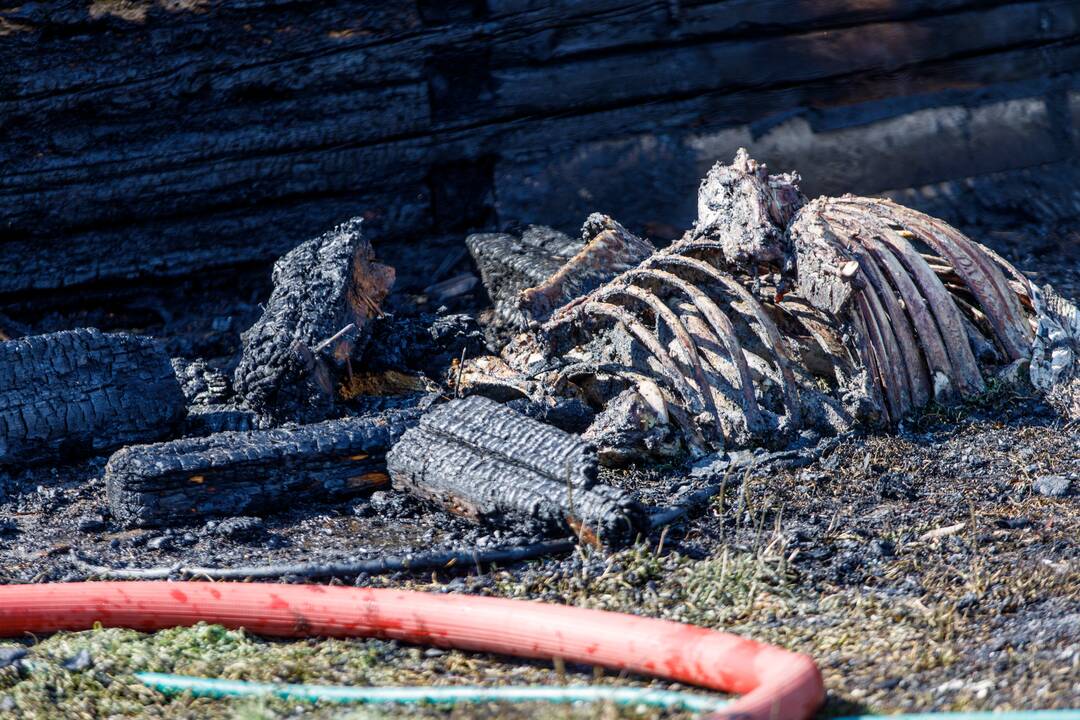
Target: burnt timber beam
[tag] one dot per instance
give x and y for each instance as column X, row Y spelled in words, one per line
column 486, row 462
column 80, row 392
column 230, row 473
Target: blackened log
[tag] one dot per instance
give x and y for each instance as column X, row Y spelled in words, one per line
column 81, row 392
column 209, row 419
column 10, row 329
column 257, row 133
column 248, row 472
column 508, row 265
column 253, row 139
column 294, row 354
column 481, row 460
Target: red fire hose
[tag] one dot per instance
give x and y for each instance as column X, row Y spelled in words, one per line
column 774, row 684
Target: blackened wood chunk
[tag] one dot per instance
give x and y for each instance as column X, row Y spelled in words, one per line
column 1055, row 357
column 508, row 265
column 287, row 370
column 209, row 419
column 528, row 278
column 80, row 392
column 231, row 473
column 482, row 460
column 201, row 383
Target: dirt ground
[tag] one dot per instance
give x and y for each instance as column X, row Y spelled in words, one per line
column 922, row 570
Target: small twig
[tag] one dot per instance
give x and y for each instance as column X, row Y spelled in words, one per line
column 457, row 377
column 409, row 562
column 335, row 337
column 690, row 502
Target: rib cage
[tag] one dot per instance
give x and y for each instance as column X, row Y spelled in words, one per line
column 709, row 340
column 928, row 300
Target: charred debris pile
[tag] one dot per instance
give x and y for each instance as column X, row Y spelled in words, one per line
column 774, row 322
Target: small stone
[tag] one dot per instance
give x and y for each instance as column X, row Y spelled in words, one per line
column 79, row 662
column 896, row 486
column 1051, row 485
column 969, row 602
column 160, row 542
column 239, row 527
column 91, row 523
column 1016, row 373
column 710, row 466
column 11, row 655
column 882, row 548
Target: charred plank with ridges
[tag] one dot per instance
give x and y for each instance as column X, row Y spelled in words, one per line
column 79, row 392
column 244, row 472
column 479, row 459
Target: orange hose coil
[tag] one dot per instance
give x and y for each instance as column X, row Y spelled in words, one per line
column 774, row 684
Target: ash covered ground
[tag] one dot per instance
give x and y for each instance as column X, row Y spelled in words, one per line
column 935, row 568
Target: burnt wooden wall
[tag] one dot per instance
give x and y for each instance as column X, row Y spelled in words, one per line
column 160, row 137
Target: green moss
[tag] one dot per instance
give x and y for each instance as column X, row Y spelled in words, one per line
column 40, row 686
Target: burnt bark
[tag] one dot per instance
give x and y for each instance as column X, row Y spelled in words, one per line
column 326, row 291
column 81, row 392
column 230, row 473
column 481, row 460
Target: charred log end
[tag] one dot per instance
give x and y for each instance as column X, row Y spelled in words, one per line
column 74, row 393
column 249, row 472
column 490, row 464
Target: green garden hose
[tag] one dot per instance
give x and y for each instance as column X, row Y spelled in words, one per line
column 218, row 688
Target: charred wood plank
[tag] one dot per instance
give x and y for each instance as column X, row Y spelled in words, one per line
column 293, row 354
column 229, row 473
column 256, row 131
column 476, row 458
column 81, row 392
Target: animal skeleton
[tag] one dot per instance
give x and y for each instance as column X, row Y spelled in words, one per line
column 776, row 314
